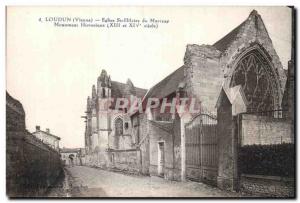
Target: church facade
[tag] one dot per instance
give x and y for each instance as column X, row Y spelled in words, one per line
column 237, row 81
column 108, row 127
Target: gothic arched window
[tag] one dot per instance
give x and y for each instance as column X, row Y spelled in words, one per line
column 254, row 74
column 103, row 93
column 118, row 127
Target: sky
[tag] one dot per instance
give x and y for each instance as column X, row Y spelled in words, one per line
column 51, row 70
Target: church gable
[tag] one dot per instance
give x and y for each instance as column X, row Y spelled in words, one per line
column 248, row 51
column 245, row 57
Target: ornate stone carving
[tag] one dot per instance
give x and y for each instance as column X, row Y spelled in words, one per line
column 254, row 73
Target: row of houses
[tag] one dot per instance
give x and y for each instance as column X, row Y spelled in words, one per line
column 68, row 156
column 244, row 97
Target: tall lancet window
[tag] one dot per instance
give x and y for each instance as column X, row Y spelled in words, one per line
column 254, row 74
column 118, row 132
column 103, row 93
column 119, row 127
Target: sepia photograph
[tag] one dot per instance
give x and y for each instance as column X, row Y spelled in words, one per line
column 150, row 102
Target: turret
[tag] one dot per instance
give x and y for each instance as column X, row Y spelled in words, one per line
column 94, row 95
column 103, row 85
column 130, row 89
column 88, row 104
column 103, row 79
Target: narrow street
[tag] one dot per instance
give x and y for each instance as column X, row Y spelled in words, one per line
column 81, row 181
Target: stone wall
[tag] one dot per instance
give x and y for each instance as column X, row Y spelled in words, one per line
column 203, row 74
column 265, row 130
column 98, row 159
column 226, row 163
column 140, row 131
column 126, row 160
column 131, row 157
column 15, row 115
column 172, row 157
column 267, row 186
column 253, row 32
column 31, row 166
column 262, row 130
column 120, row 160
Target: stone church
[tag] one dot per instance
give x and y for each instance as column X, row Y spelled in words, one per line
column 106, row 131
column 236, row 81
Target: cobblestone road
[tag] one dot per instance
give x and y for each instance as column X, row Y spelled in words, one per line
column 91, row 182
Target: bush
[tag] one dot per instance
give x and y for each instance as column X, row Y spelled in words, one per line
column 272, row 160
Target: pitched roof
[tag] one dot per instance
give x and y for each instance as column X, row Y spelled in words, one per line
column 118, row 90
column 225, row 42
column 47, row 134
column 164, row 125
column 32, row 138
column 168, row 85
column 140, row 92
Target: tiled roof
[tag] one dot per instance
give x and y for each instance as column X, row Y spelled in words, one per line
column 168, row 85
column 47, row 134
column 140, row 92
column 225, row 42
column 118, row 90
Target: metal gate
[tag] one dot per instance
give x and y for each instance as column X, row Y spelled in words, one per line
column 201, row 149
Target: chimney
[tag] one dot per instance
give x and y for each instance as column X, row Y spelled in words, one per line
column 37, row 128
column 47, row 130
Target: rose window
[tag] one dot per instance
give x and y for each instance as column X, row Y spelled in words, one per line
column 256, row 79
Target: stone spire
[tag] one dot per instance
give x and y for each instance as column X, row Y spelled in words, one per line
column 88, row 103
column 109, row 81
column 94, row 95
column 130, row 89
column 103, row 79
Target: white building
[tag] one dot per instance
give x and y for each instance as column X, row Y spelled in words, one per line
column 48, row 138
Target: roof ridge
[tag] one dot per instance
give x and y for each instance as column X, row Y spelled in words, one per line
column 47, row 133
column 163, row 80
column 168, row 76
column 126, row 84
column 222, row 44
column 232, row 34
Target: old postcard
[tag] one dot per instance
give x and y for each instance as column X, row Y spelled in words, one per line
column 144, row 102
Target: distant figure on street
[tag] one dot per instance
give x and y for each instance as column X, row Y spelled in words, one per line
column 71, row 156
